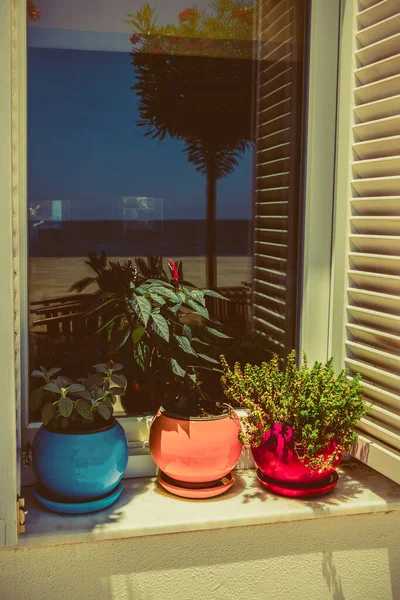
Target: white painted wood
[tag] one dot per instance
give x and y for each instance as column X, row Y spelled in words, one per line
column 320, row 174
column 8, row 418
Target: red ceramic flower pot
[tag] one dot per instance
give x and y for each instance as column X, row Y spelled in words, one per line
column 278, row 462
column 195, row 450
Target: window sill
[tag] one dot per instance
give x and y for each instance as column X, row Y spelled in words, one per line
column 144, row 508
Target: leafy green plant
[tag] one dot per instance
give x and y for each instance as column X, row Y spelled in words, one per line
column 165, row 326
column 318, row 406
column 66, row 404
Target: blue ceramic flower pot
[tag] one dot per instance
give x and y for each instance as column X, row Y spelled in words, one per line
column 79, row 467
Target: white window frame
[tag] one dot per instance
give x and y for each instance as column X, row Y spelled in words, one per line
column 319, row 177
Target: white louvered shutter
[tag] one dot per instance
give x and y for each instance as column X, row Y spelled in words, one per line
column 281, row 26
column 373, row 327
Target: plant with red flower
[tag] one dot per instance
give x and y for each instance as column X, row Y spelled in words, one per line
column 135, row 38
column 188, row 14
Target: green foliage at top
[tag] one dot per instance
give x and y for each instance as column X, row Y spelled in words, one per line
column 164, row 324
column 85, row 404
column 317, row 405
column 216, row 31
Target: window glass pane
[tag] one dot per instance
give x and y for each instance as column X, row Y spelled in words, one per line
column 164, row 130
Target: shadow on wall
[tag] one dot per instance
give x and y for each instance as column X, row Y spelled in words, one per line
column 338, row 558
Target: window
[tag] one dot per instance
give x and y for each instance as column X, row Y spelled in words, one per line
column 187, row 143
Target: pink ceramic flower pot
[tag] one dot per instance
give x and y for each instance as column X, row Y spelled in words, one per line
column 195, row 450
column 277, row 459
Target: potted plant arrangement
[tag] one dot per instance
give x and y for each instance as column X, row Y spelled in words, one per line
column 167, row 329
column 80, row 453
column 299, row 422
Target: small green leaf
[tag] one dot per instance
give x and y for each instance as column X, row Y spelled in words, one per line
column 167, row 293
column 138, row 334
column 64, row 423
column 104, row 411
column 101, row 368
column 185, row 344
column 198, row 296
column 119, row 380
column 117, row 367
column 48, row 411
column 76, row 387
column 53, row 387
column 175, row 307
column 118, row 339
column 177, row 369
column 94, row 381
column 83, row 408
column 157, row 298
column 53, row 371
column 187, row 332
column 160, row 326
column 142, row 307
column 218, row 333
column 214, row 294
column 208, row 358
column 65, row 406
column 201, row 310
column 37, row 373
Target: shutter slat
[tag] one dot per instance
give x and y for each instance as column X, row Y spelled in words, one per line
column 382, row 377
column 376, row 244
column 379, row 186
column 386, row 67
column 376, row 225
column 375, row 300
column 379, row 167
column 380, row 50
column 378, row 12
column 389, row 205
column 374, row 318
column 378, row 129
column 378, row 282
column 381, row 147
column 379, row 109
column 379, row 31
column 389, row 435
column 379, row 339
column 376, row 263
column 378, row 90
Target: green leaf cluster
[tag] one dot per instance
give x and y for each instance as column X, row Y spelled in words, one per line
column 84, row 404
column 164, row 323
column 317, row 405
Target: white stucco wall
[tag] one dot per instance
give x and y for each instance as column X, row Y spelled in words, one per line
column 351, row 558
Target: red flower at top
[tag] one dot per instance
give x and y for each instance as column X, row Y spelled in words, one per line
column 188, row 14
column 135, row 38
column 174, row 270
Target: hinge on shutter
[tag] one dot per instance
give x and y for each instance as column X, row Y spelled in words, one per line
column 21, row 512
column 26, row 455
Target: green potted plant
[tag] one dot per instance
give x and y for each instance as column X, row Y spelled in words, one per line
column 166, row 327
column 299, row 421
column 80, row 453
